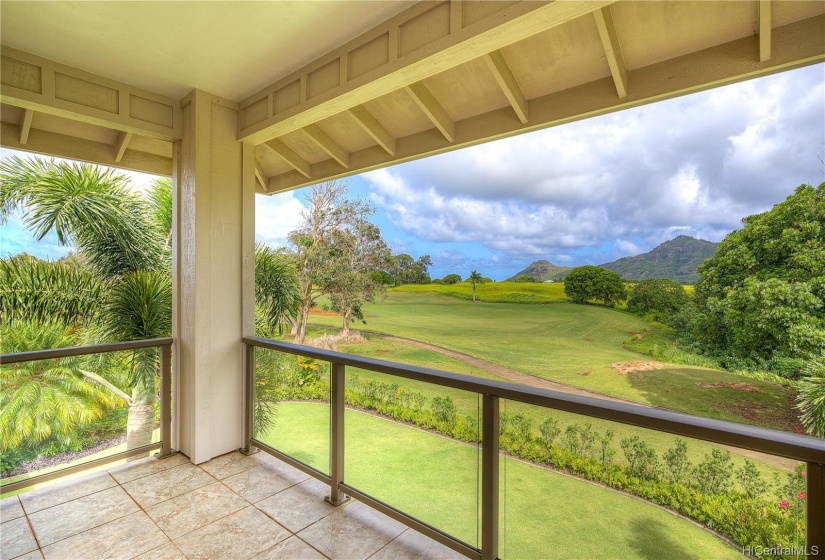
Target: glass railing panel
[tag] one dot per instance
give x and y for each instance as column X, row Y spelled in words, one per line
column 292, row 410
column 578, row 487
column 415, row 447
column 70, row 411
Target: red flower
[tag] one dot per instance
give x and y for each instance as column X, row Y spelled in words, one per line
column 784, row 504
column 802, row 495
column 803, row 473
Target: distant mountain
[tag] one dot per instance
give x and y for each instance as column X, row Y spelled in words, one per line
column 676, row 259
column 544, row 271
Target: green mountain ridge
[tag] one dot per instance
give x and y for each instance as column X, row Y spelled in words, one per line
column 676, row 260
column 543, row 271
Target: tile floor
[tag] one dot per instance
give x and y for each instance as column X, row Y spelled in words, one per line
column 232, row 508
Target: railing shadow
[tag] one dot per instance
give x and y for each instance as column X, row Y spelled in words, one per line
column 652, row 541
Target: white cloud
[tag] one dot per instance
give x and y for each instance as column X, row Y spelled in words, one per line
column 275, row 216
column 694, row 165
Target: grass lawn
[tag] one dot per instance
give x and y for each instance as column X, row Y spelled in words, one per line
column 468, row 404
column 544, row 514
column 496, row 292
column 572, row 344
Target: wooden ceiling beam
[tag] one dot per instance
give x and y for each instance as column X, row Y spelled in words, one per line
column 612, row 49
column 427, row 102
column 426, row 39
column 374, row 128
column 508, row 83
column 121, row 144
column 292, row 159
column 42, row 85
column 328, row 144
column 26, row 125
column 764, row 30
column 793, row 45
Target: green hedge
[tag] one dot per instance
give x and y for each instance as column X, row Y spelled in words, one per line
column 704, row 492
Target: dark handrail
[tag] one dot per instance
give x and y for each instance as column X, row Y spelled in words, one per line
column 53, row 353
column 774, row 442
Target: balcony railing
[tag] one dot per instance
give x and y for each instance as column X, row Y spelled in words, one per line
column 165, row 443
column 800, row 448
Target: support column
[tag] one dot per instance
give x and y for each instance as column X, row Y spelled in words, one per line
column 214, row 254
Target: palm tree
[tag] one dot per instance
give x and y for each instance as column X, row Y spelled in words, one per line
column 47, row 398
column 277, row 293
column 117, row 233
column 811, row 398
column 475, row 278
column 124, row 292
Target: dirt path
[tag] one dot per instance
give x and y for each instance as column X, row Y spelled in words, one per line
column 541, row 383
column 501, row 371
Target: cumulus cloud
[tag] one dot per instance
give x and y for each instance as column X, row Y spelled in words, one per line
column 276, row 216
column 624, row 182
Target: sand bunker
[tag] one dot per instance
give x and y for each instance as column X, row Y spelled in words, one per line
column 633, row 367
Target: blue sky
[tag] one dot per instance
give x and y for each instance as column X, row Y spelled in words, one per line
column 586, row 192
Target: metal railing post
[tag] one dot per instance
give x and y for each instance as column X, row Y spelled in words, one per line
column 489, row 478
column 336, row 434
column 165, row 401
column 815, row 498
column 249, row 401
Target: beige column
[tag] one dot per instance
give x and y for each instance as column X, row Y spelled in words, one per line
column 213, row 267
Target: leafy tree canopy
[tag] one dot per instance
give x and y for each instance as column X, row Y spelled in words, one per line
column 658, row 295
column 451, row 279
column 761, row 298
column 405, row 270
column 592, row 282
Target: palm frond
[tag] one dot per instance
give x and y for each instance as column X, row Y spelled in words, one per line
column 46, row 291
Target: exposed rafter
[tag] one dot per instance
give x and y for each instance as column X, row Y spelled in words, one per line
column 610, row 42
column 508, row 83
column 764, row 30
column 287, row 154
column 328, row 144
column 121, row 144
column 260, row 176
column 26, row 125
column 61, row 145
column 433, row 109
column 794, row 45
column 434, row 43
column 374, row 128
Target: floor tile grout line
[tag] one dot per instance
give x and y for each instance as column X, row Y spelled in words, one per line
column 107, row 471
column 309, row 544
column 173, row 497
column 34, row 535
column 398, row 536
column 117, row 484
column 90, row 528
column 202, row 526
column 26, row 512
